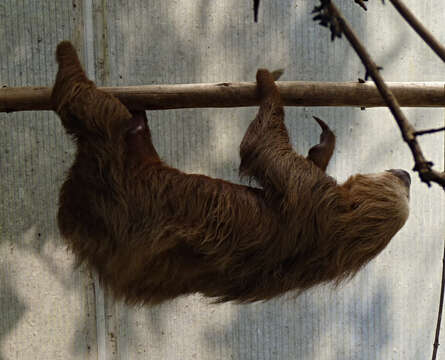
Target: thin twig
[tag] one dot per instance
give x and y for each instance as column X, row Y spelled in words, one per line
column 418, row 27
column 362, row 4
column 422, row 166
column 439, row 316
column 429, row 131
column 256, row 6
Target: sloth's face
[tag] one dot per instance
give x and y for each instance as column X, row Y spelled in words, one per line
column 379, row 203
column 391, row 186
column 376, row 209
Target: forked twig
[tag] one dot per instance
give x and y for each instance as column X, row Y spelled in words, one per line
column 329, row 15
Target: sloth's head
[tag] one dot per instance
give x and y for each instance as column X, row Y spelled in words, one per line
column 380, row 196
column 377, row 210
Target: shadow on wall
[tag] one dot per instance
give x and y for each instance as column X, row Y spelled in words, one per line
column 12, row 309
column 36, row 154
column 309, row 327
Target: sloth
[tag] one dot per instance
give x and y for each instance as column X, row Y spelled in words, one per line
column 153, row 232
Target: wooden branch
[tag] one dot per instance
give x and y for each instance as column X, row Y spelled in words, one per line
column 439, row 315
column 422, row 166
column 418, row 27
column 294, row 93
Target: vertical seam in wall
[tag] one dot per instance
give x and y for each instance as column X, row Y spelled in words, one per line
column 88, row 42
column 100, row 317
column 89, row 38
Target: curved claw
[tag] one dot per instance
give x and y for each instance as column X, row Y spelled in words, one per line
column 322, row 124
column 321, row 153
column 276, row 74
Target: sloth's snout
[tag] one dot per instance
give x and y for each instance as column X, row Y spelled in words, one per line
column 402, row 175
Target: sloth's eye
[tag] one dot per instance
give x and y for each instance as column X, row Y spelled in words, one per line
column 355, row 205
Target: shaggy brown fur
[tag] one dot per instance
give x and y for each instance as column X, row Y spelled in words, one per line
column 154, row 233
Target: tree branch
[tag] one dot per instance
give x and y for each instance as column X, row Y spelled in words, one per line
column 328, row 12
column 423, row 32
column 293, row 93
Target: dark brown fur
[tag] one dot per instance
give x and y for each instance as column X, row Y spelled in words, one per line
column 154, row 233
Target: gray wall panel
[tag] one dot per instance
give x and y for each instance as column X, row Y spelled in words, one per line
column 387, row 312
column 47, row 309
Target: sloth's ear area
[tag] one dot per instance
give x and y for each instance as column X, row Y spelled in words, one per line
column 321, row 153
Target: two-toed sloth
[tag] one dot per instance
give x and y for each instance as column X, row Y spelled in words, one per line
column 153, row 233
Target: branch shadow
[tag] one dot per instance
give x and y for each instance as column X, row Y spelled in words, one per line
column 12, row 307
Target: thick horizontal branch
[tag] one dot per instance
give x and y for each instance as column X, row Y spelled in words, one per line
column 294, row 93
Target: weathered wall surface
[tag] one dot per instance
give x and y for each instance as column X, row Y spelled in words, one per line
column 50, row 311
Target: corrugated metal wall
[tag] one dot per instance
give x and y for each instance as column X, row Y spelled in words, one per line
column 50, row 311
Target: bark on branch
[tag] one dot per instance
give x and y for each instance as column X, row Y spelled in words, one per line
column 294, row 93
